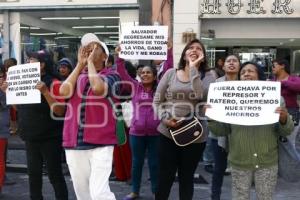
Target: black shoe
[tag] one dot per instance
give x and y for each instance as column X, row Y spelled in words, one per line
column 227, row 173
column 209, row 168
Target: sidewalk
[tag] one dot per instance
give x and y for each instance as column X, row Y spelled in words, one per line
column 19, row 191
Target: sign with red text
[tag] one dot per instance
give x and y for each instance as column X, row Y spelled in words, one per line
column 144, row 42
column 244, row 102
column 22, row 80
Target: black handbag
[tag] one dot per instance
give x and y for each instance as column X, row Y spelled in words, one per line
column 189, row 130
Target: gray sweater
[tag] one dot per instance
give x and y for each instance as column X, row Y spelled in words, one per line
column 222, row 140
column 174, row 98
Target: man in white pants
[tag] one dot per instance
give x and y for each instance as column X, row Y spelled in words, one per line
column 89, row 132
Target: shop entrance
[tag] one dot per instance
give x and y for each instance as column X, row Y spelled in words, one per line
column 262, row 56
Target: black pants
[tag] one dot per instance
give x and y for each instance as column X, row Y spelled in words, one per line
column 183, row 160
column 48, row 151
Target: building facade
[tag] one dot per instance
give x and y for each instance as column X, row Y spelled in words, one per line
column 57, row 26
column 256, row 30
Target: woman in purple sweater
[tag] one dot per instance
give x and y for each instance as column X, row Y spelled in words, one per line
column 290, row 87
column 143, row 136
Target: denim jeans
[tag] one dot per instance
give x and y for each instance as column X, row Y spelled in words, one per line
column 140, row 145
column 220, row 157
column 208, row 154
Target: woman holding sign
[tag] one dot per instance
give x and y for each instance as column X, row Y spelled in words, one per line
column 253, row 153
column 219, row 144
column 41, row 132
column 143, row 134
column 177, row 95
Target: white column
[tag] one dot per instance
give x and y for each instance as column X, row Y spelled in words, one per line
column 15, row 35
column 129, row 17
column 185, row 18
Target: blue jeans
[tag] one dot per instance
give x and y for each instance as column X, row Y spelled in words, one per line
column 220, row 157
column 208, row 154
column 140, row 145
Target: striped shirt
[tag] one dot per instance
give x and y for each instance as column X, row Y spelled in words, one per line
column 110, row 79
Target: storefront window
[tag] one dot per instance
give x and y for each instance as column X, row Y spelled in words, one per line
column 59, row 32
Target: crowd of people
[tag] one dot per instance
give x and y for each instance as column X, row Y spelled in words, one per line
column 160, row 96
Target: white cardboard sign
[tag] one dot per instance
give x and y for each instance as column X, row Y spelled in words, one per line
column 144, row 42
column 22, row 80
column 244, row 102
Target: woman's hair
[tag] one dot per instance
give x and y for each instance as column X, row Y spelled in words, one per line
column 236, row 56
column 260, row 72
column 139, row 66
column 182, row 62
column 285, row 63
column 2, row 71
column 44, row 57
column 131, row 70
column 154, row 72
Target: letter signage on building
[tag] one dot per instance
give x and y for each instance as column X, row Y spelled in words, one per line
column 249, row 8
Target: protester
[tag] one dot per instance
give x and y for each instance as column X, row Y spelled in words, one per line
column 219, row 67
column 4, row 126
column 9, row 63
column 65, row 68
column 12, row 111
column 253, row 150
column 110, row 61
column 144, row 138
column 177, row 95
column 290, row 87
column 208, row 76
column 139, row 69
column 89, row 132
column 43, row 139
column 219, row 144
column 122, row 159
column 164, row 65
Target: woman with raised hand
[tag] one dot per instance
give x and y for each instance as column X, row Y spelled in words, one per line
column 178, row 94
column 42, row 133
column 253, row 150
column 143, row 134
column 219, row 144
column 89, row 132
column 290, row 86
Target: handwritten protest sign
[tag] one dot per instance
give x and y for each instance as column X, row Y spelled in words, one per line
column 244, row 102
column 22, row 80
column 144, row 42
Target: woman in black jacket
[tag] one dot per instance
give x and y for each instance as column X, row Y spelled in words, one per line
column 43, row 134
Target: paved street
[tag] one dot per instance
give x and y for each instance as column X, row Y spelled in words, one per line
column 19, row 191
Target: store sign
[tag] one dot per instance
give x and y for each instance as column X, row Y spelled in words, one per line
column 21, row 3
column 247, row 7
